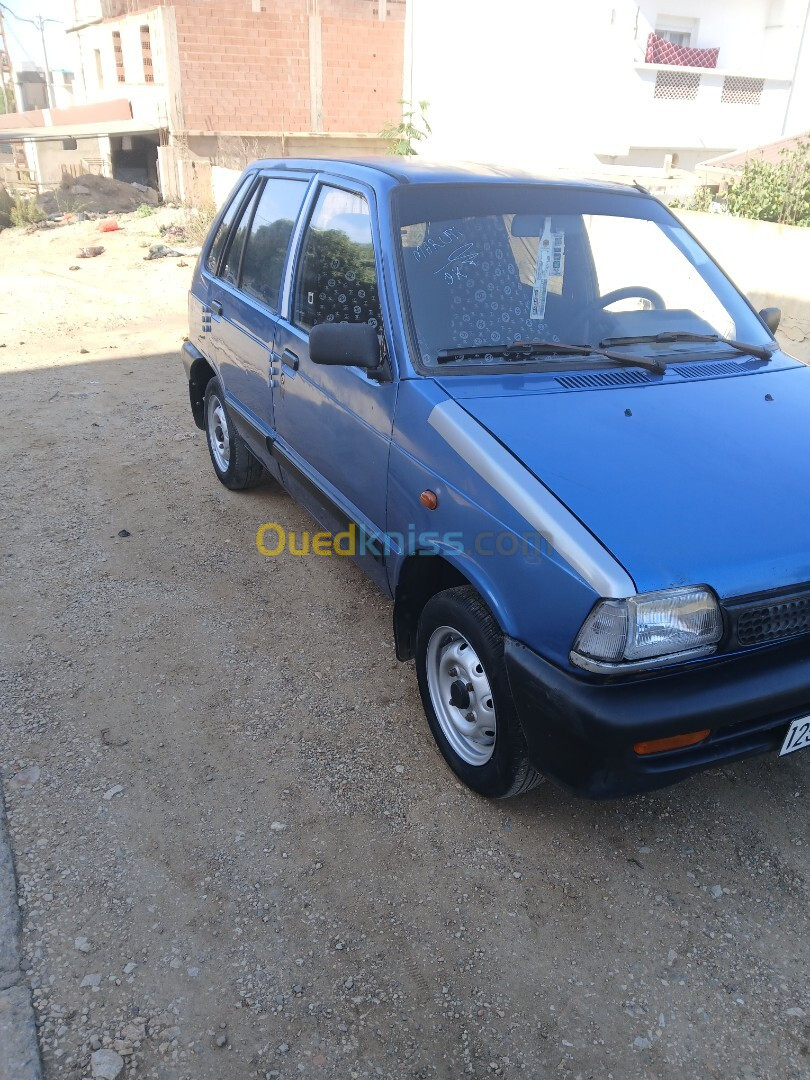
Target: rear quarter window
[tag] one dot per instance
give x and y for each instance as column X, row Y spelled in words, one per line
column 224, row 227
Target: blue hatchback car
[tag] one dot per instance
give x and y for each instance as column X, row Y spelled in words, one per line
column 550, row 427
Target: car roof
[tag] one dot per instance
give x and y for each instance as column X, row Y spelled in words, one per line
column 413, row 170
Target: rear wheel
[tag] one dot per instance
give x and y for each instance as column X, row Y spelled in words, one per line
column 465, row 693
column 233, row 463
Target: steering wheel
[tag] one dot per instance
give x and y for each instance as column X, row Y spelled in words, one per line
column 629, row 291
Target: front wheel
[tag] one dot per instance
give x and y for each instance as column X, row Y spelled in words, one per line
column 465, row 693
column 233, row 463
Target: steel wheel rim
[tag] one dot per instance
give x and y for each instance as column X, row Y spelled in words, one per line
column 461, row 696
column 218, row 436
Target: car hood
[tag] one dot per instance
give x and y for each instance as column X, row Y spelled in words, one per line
column 683, row 482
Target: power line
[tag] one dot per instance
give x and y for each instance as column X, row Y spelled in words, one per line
column 39, row 22
column 5, row 62
column 20, row 45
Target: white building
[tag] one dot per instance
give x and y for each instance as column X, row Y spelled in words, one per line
column 545, row 84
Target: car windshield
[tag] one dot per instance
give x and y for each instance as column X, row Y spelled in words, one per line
column 489, row 264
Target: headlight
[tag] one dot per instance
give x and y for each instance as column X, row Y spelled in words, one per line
column 649, row 630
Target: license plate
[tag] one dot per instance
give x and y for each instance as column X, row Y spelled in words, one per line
column 798, row 736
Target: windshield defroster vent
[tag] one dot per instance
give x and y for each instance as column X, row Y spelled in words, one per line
column 700, row 371
column 602, row 378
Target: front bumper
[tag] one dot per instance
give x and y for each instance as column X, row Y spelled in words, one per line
column 580, row 732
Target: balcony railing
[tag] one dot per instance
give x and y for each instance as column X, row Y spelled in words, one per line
column 678, row 84
column 661, row 51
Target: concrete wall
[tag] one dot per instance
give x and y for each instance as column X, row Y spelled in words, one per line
column 222, row 183
column 99, row 74
column 53, row 163
column 230, row 157
column 705, row 121
column 184, row 178
column 768, row 262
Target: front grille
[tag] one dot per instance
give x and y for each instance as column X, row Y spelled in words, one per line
column 762, row 623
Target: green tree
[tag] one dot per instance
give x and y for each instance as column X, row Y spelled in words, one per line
column 12, row 103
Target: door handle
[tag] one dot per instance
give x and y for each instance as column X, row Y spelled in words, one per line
column 289, row 359
column 216, row 307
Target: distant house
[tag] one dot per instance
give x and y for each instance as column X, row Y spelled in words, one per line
column 166, row 89
column 771, row 153
column 625, row 82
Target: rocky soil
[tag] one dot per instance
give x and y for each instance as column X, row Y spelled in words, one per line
column 239, row 854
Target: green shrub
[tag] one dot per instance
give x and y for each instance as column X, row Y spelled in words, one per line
column 6, row 203
column 700, row 199
column 144, row 210
column 26, row 210
column 779, row 192
column 197, row 221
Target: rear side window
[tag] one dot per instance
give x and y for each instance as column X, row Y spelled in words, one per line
column 337, row 275
column 269, row 238
column 214, row 252
column 233, row 256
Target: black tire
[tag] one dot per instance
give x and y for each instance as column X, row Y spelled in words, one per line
column 509, row 770
column 233, row 463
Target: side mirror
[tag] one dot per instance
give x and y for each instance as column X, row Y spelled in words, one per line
column 346, row 344
column 771, row 316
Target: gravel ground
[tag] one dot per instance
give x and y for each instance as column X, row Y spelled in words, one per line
column 238, row 852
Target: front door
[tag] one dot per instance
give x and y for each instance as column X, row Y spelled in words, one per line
column 334, row 424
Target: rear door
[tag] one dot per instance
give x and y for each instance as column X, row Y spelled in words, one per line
column 334, row 423
column 209, row 268
column 244, row 300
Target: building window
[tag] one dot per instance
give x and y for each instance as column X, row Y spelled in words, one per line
column 677, row 85
column 119, row 56
column 675, row 37
column 677, row 29
column 741, row 91
column 99, row 69
column 69, row 144
column 146, row 54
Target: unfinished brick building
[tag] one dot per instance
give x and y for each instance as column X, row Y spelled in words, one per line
column 217, row 82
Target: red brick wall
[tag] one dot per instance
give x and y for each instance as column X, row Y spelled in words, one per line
column 362, row 73
column 246, row 71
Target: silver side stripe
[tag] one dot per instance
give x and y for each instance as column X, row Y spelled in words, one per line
column 532, row 500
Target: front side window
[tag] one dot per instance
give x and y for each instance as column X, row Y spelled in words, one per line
column 488, row 265
column 337, row 274
column 218, row 243
column 269, row 238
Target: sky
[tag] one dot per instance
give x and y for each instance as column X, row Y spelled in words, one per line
column 24, row 41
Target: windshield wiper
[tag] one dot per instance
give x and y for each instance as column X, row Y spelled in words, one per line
column 763, row 352
column 525, row 350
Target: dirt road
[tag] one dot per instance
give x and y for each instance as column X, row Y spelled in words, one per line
column 241, row 855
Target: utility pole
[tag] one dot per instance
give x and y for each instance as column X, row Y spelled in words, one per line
column 799, row 55
column 5, row 59
column 39, row 22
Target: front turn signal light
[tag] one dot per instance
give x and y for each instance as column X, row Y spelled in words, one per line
column 674, row 742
